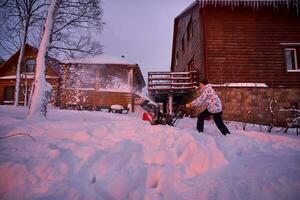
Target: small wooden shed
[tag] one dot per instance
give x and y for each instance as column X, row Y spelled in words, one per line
column 99, row 82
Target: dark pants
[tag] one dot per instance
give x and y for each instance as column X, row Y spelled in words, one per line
column 217, row 118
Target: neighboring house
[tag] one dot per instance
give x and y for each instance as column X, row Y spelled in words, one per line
column 99, row 82
column 241, row 44
column 8, row 76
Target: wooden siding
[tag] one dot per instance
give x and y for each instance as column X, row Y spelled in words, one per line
column 244, row 45
column 192, row 48
column 97, row 98
column 9, row 69
column 11, row 82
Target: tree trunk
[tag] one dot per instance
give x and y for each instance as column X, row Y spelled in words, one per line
column 18, row 70
column 38, row 104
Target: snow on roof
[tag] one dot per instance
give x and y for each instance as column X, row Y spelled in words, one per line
column 246, row 3
column 102, row 59
column 23, row 76
column 241, row 85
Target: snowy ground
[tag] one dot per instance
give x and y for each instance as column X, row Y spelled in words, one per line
column 94, row 155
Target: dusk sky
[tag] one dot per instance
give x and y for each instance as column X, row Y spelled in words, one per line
column 141, row 30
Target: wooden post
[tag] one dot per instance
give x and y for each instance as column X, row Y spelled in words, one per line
column 130, row 84
column 97, row 84
column 170, row 103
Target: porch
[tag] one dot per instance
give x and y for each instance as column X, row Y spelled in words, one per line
column 170, row 87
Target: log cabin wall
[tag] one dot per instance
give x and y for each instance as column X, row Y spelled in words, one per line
column 55, row 82
column 246, row 45
column 8, row 68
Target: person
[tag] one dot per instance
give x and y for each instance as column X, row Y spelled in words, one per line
column 209, row 98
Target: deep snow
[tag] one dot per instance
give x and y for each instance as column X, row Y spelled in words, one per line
column 96, row 155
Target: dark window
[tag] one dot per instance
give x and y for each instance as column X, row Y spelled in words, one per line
column 291, row 59
column 28, row 66
column 176, row 58
column 190, row 30
column 9, row 93
column 182, row 44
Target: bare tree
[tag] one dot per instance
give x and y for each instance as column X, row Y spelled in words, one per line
column 62, row 20
column 73, row 17
column 19, row 16
column 42, row 89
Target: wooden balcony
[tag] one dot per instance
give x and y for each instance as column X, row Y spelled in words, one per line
column 172, row 82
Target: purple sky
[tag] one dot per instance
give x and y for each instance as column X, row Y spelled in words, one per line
column 142, row 30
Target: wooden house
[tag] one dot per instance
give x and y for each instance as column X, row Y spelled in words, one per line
column 238, row 42
column 99, row 82
column 8, row 76
column 252, row 41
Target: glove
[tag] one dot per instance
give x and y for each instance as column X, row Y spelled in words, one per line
column 188, row 105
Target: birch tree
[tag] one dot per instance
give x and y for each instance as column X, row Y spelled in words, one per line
column 38, row 105
column 23, row 20
column 17, row 18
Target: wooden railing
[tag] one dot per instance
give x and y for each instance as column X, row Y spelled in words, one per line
column 172, row 81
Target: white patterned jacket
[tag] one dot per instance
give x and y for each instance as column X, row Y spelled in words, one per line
column 209, row 98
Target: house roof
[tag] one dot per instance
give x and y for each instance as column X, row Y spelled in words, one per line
column 51, row 62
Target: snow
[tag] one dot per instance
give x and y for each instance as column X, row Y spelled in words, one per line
column 28, row 77
column 241, row 85
column 101, row 59
column 98, row 155
column 116, row 107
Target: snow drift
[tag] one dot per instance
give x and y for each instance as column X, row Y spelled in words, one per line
column 94, row 155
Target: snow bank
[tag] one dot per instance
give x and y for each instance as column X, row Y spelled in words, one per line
column 94, row 155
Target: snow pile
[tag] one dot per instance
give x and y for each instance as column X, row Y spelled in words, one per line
column 94, row 155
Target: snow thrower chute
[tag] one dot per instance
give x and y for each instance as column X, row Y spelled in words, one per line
column 155, row 116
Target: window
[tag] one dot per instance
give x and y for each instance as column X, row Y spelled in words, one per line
column 9, row 93
column 190, row 30
column 28, row 66
column 291, row 59
column 182, row 44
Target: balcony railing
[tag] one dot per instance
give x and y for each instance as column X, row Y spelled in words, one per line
column 172, row 81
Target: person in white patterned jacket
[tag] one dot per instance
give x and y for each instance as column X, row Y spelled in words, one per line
column 210, row 99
